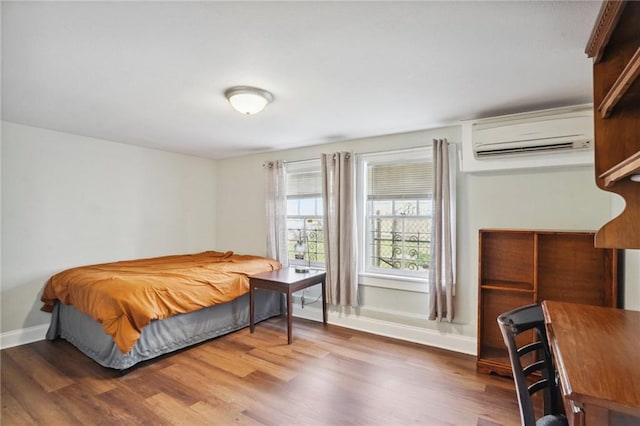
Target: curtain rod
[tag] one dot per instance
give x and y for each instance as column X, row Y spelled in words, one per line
column 267, row 163
column 398, row 151
column 392, row 152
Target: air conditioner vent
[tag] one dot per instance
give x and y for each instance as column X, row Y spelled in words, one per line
column 533, row 148
column 556, row 137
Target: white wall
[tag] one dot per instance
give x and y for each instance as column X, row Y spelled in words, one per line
column 533, row 199
column 69, row 200
column 632, row 279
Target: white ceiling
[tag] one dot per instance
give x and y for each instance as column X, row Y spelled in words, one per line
column 153, row 73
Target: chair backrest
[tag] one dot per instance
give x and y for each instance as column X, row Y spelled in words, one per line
column 530, row 354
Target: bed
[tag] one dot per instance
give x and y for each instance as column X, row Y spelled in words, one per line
column 122, row 313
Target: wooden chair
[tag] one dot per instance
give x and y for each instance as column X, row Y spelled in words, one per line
column 529, row 358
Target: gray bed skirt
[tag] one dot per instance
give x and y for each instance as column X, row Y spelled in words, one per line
column 162, row 336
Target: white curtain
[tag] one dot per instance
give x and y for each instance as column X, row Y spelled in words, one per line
column 442, row 266
column 339, row 201
column 276, row 211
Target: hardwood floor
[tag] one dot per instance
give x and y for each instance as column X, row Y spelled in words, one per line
column 328, row 376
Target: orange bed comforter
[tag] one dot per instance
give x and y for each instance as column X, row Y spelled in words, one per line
column 125, row 296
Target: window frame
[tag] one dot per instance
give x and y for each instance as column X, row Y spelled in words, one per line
column 399, row 279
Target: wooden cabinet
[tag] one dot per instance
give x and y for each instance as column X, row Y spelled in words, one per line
column 520, row 267
column 614, row 46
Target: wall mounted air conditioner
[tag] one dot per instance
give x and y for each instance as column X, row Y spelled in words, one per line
column 553, row 137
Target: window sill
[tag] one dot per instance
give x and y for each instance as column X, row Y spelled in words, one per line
column 417, row 285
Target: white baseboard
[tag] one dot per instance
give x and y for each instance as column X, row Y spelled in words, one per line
column 23, row 336
column 456, row 343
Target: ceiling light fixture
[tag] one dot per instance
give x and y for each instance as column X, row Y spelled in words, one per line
column 248, row 100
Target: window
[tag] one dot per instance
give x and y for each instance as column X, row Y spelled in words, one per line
column 396, row 192
column 304, row 213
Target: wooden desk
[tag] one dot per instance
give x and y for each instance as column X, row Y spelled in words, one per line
column 597, row 355
column 287, row 281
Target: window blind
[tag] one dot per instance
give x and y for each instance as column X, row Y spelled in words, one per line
column 304, row 184
column 400, row 180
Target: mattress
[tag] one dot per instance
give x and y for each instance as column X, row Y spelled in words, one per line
column 160, row 336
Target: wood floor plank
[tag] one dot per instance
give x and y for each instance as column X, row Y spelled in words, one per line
column 12, row 412
column 161, row 383
column 250, row 362
column 39, row 369
column 218, row 385
column 224, row 361
column 285, row 359
column 223, row 415
column 87, row 408
column 129, row 408
column 37, row 402
column 92, row 375
column 274, row 369
column 327, row 376
column 174, row 412
column 210, row 390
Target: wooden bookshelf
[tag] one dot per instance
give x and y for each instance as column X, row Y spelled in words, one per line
column 614, row 46
column 627, row 167
column 520, row 267
column 628, row 75
column 607, row 20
